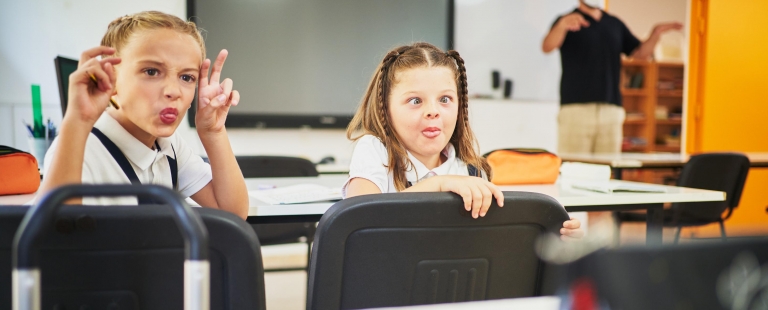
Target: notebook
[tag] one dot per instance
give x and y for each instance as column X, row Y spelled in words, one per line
column 616, row 187
column 299, row 193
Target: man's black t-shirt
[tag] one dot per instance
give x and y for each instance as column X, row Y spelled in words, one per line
column 591, row 60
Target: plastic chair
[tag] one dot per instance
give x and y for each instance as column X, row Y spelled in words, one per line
column 702, row 275
column 400, row 249
column 131, row 257
column 725, row 172
column 275, row 167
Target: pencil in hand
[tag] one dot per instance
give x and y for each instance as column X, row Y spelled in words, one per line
column 111, row 101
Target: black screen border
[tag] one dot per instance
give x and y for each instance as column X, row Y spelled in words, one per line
column 260, row 120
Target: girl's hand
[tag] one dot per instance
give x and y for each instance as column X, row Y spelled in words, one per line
column 214, row 98
column 88, row 99
column 571, row 230
column 476, row 192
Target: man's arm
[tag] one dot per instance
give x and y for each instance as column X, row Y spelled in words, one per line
column 646, row 48
column 556, row 35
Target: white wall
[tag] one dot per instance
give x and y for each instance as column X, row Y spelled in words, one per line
column 641, row 16
column 34, row 32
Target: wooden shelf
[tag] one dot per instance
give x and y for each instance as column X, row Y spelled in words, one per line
column 669, row 122
column 670, row 93
column 666, row 148
column 634, row 92
column 676, row 65
column 634, row 121
column 644, row 101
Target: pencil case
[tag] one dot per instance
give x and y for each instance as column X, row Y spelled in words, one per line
column 523, row 166
column 18, row 172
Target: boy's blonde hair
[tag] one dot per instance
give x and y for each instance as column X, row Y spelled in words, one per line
column 121, row 29
column 372, row 116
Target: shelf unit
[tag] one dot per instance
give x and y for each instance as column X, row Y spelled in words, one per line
column 654, row 105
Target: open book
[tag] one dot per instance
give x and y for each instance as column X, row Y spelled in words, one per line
column 616, row 187
column 299, row 193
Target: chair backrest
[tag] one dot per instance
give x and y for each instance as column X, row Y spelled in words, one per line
column 275, row 167
column 401, row 249
column 132, row 257
column 712, row 275
column 725, row 172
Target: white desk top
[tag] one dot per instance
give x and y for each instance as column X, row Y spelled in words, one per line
column 563, row 193
column 637, row 160
column 542, row 303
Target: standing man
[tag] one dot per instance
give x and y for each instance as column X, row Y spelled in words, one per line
column 591, row 43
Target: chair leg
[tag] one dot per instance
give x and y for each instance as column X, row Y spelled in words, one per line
column 677, row 234
column 616, row 230
column 309, row 255
column 722, row 231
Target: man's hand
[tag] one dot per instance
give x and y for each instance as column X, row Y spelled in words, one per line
column 660, row 29
column 572, row 22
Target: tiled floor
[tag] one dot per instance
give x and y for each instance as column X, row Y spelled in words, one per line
column 287, row 290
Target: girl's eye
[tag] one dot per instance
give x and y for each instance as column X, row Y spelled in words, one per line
column 188, row 78
column 445, row 99
column 414, row 101
column 151, row 71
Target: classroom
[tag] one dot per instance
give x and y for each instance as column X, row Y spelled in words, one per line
column 532, row 154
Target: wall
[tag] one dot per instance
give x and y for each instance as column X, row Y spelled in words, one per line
column 729, row 113
column 33, row 33
column 641, row 16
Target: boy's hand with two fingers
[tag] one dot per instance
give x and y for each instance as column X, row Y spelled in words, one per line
column 214, row 98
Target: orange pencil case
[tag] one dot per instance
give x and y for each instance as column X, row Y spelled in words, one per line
column 523, row 166
column 18, row 172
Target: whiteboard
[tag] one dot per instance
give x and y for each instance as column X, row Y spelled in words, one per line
column 506, row 35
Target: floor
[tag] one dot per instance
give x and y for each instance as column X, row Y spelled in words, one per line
column 281, row 287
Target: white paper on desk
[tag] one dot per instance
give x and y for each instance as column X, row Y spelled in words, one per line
column 299, row 193
column 616, row 187
column 582, row 171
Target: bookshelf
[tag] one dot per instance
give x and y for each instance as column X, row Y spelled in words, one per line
column 653, row 99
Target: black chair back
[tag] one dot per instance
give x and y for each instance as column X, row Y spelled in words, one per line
column 725, row 172
column 711, row 275
column 419, row 248
column 132, row 258
column 275, row 167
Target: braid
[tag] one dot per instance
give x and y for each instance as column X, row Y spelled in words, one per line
column 463, row 97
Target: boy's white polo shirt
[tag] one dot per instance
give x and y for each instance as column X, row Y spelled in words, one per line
column 151, row 166
column 369, row 161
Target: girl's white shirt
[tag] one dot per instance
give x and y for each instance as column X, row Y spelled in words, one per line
column 370, row 160
column 151, row 166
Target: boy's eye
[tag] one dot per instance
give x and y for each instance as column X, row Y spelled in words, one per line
column 188, row 78
column 414, row 101
column 151, row 71
column 446, row 99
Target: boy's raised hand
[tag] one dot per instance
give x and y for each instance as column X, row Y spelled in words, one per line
column 88, row 99
column 214, row 98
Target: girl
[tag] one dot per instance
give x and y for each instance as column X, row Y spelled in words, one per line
column 150, row 63
column 413, row 135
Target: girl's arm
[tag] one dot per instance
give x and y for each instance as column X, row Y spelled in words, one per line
column 476, row 192
column 87, row 101
column 227, row 189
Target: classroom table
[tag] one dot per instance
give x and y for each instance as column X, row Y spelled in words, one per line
column 621, row 161
column 572, row 199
